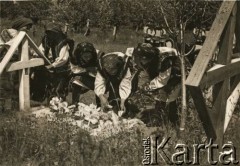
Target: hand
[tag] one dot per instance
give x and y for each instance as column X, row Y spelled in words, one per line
column 35, row 56
column 32, row 75
column 104, row 102
column 77, row 78
column 49, row 67
column 79, row 70
column 145, row 87
column 122, row 107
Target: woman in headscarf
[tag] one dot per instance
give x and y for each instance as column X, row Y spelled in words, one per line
column 162, row 68
column 58, row 48
column 84, row 68
column 20, row 24
column 113, row 76
column 7, row 35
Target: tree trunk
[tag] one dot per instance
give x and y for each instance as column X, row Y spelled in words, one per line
column 183, row 73
column 114, row 33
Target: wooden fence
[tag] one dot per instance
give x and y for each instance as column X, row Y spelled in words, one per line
column 224, row 77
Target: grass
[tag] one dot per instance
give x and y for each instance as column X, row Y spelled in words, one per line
column 102, row 40
column 25, row 140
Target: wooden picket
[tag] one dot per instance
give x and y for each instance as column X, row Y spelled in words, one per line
column 221, row 33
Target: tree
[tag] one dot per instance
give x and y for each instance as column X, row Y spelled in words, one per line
column 30, row 9
column 75, row 12
column 143, row 11
column 185, row 16
column 112, row 13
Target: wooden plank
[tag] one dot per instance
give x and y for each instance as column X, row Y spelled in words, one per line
column 24, row 87
column 11, row 51
column 24, row 64
column 226, row 43
column 220, row 107
column 220, row 73
column 221, row 90
column 231, row 105
column 35, row 48
column 237, row 29
column 203, row 112
column 210, row 44
column 234, row 82
column 225, row 53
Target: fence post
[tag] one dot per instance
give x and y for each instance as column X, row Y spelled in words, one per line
column 237, row 29
column 222, row 29
column 222, row 89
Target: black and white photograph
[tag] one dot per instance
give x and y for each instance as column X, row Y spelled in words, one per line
column 119, row 82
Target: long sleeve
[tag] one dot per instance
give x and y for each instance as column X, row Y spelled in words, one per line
column 77, row 69
column 99, row 85
column 125, row 86
column 11, row 34
column 161, row 80
column 63, row 57
column 41, row 48
column 169, row 51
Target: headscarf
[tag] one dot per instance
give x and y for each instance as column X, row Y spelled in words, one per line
column 111, row 63
column 147, row 58
column 53, row 37
column 85, row 54
column 21, row 22
column 54, row 27
column 145, row 53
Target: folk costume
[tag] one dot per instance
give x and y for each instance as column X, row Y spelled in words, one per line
column 162, row 66
column 84, row 68
column 113, row 76
column 58, row 48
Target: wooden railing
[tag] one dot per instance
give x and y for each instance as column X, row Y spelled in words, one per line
column 22, row 42
column 225, row 95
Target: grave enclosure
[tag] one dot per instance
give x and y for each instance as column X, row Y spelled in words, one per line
column 22, row 43
column 224, row 78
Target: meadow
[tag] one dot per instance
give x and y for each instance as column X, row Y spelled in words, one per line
column 25, row 140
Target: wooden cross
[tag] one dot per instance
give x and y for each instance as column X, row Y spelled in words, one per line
column 225, row 95
column 22, row 42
